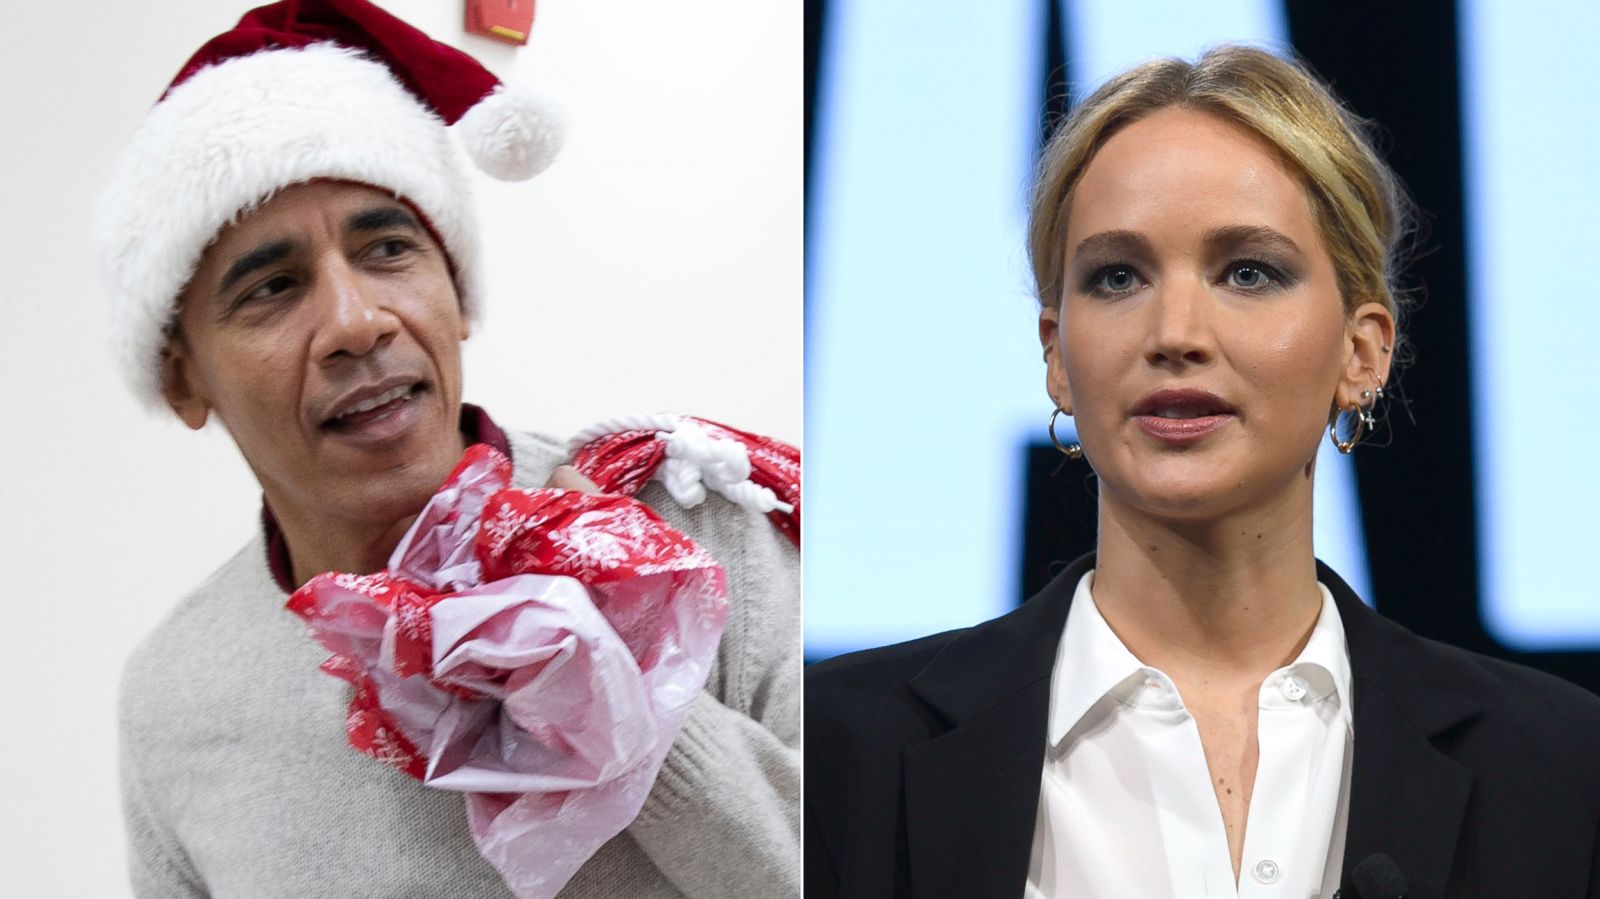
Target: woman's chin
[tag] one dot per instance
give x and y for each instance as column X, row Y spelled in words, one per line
column 1196, row 493
column 1194, row 505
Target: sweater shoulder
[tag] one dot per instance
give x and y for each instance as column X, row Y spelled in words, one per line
column 216, row 627
column 534, row 456
column 196, row 614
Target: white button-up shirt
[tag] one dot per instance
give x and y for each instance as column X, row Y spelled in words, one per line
column 1127, row 808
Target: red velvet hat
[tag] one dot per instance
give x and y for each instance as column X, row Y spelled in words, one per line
column 296, row 91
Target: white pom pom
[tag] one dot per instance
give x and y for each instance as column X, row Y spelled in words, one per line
column 513, row 133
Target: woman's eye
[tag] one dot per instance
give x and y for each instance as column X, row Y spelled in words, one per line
column 1116, row 279
column 1250, row 276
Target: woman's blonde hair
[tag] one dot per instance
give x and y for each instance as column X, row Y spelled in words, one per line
column 1358, row 203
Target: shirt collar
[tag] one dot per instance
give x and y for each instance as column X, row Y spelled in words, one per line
column 1092, row 662
column 1324, row 663
column 476, row 427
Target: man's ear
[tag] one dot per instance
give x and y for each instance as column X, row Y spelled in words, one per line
column 1055, row 377
column 1370, row 331
column 180, row 384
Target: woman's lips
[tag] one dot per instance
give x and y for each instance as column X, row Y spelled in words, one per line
column 1181, row 430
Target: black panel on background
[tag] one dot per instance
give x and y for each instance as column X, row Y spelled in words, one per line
column 1059, row 499
column 1416, row 494
column 1057, row 99
column 815, row 12
column 1399, row 65
column 1059, row 515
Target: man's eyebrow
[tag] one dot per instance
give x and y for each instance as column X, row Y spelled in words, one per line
column 382, row 218
column 1108, row 242
column 258, row 258
column 1235, row 235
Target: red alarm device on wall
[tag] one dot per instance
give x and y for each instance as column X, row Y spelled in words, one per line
column 503, row 20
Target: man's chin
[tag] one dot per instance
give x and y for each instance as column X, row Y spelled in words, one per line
column 382, row 500
column 371, row 471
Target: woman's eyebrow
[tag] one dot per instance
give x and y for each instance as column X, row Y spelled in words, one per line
column 1259, row 235
column 1113, row 242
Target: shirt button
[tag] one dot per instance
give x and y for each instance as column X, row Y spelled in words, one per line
column 1266, row 870
column 1293, row 687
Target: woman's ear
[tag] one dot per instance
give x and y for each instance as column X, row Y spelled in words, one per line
column 1370, row 335
column 1055, row 378
column 180, row 386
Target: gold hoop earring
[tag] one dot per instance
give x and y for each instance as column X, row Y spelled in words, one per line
column 1347, row 447
column 1366, row 421
column 1073, row 451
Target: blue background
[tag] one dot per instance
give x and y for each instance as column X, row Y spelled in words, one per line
column 929, row 502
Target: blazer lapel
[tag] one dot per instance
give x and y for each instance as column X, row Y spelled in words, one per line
column 1407, row 798
column 972, row 793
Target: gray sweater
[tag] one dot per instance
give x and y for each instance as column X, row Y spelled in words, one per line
column 237, row 780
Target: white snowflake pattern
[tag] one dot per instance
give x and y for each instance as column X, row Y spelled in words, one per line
column 371, row 584
column 342, row 666
column 638, row 530
column 411, row 620
column 386, row 748
column 787, row 468
column 586, row 550
column 506, row 524
column 706, row 600
column 680, row 558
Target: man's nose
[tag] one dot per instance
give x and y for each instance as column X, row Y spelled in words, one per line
column 353, row 319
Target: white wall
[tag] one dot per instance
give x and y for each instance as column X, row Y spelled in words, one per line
column 657, row 266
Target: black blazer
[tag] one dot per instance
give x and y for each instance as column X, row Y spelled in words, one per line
column 1476, row 776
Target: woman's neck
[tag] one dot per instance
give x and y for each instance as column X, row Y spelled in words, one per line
column 1224, row 601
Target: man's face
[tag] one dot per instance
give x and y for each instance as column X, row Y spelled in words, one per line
column 324, row 330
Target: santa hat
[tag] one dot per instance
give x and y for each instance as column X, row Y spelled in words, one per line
column 302, row 90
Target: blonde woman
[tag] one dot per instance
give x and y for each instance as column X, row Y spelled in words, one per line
column 1200, row 708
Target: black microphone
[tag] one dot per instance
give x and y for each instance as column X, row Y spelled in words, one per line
column 1378, row 877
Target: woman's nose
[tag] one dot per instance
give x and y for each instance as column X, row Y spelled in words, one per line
column 1180, row 323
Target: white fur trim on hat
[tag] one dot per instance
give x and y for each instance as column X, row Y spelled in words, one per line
column 231, row 136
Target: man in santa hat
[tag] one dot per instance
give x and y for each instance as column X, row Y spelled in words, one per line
column 289, row 248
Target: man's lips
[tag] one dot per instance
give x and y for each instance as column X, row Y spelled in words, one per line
column 370, row 403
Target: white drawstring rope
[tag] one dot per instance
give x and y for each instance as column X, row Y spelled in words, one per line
column 695, row 461
column 620, row 424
